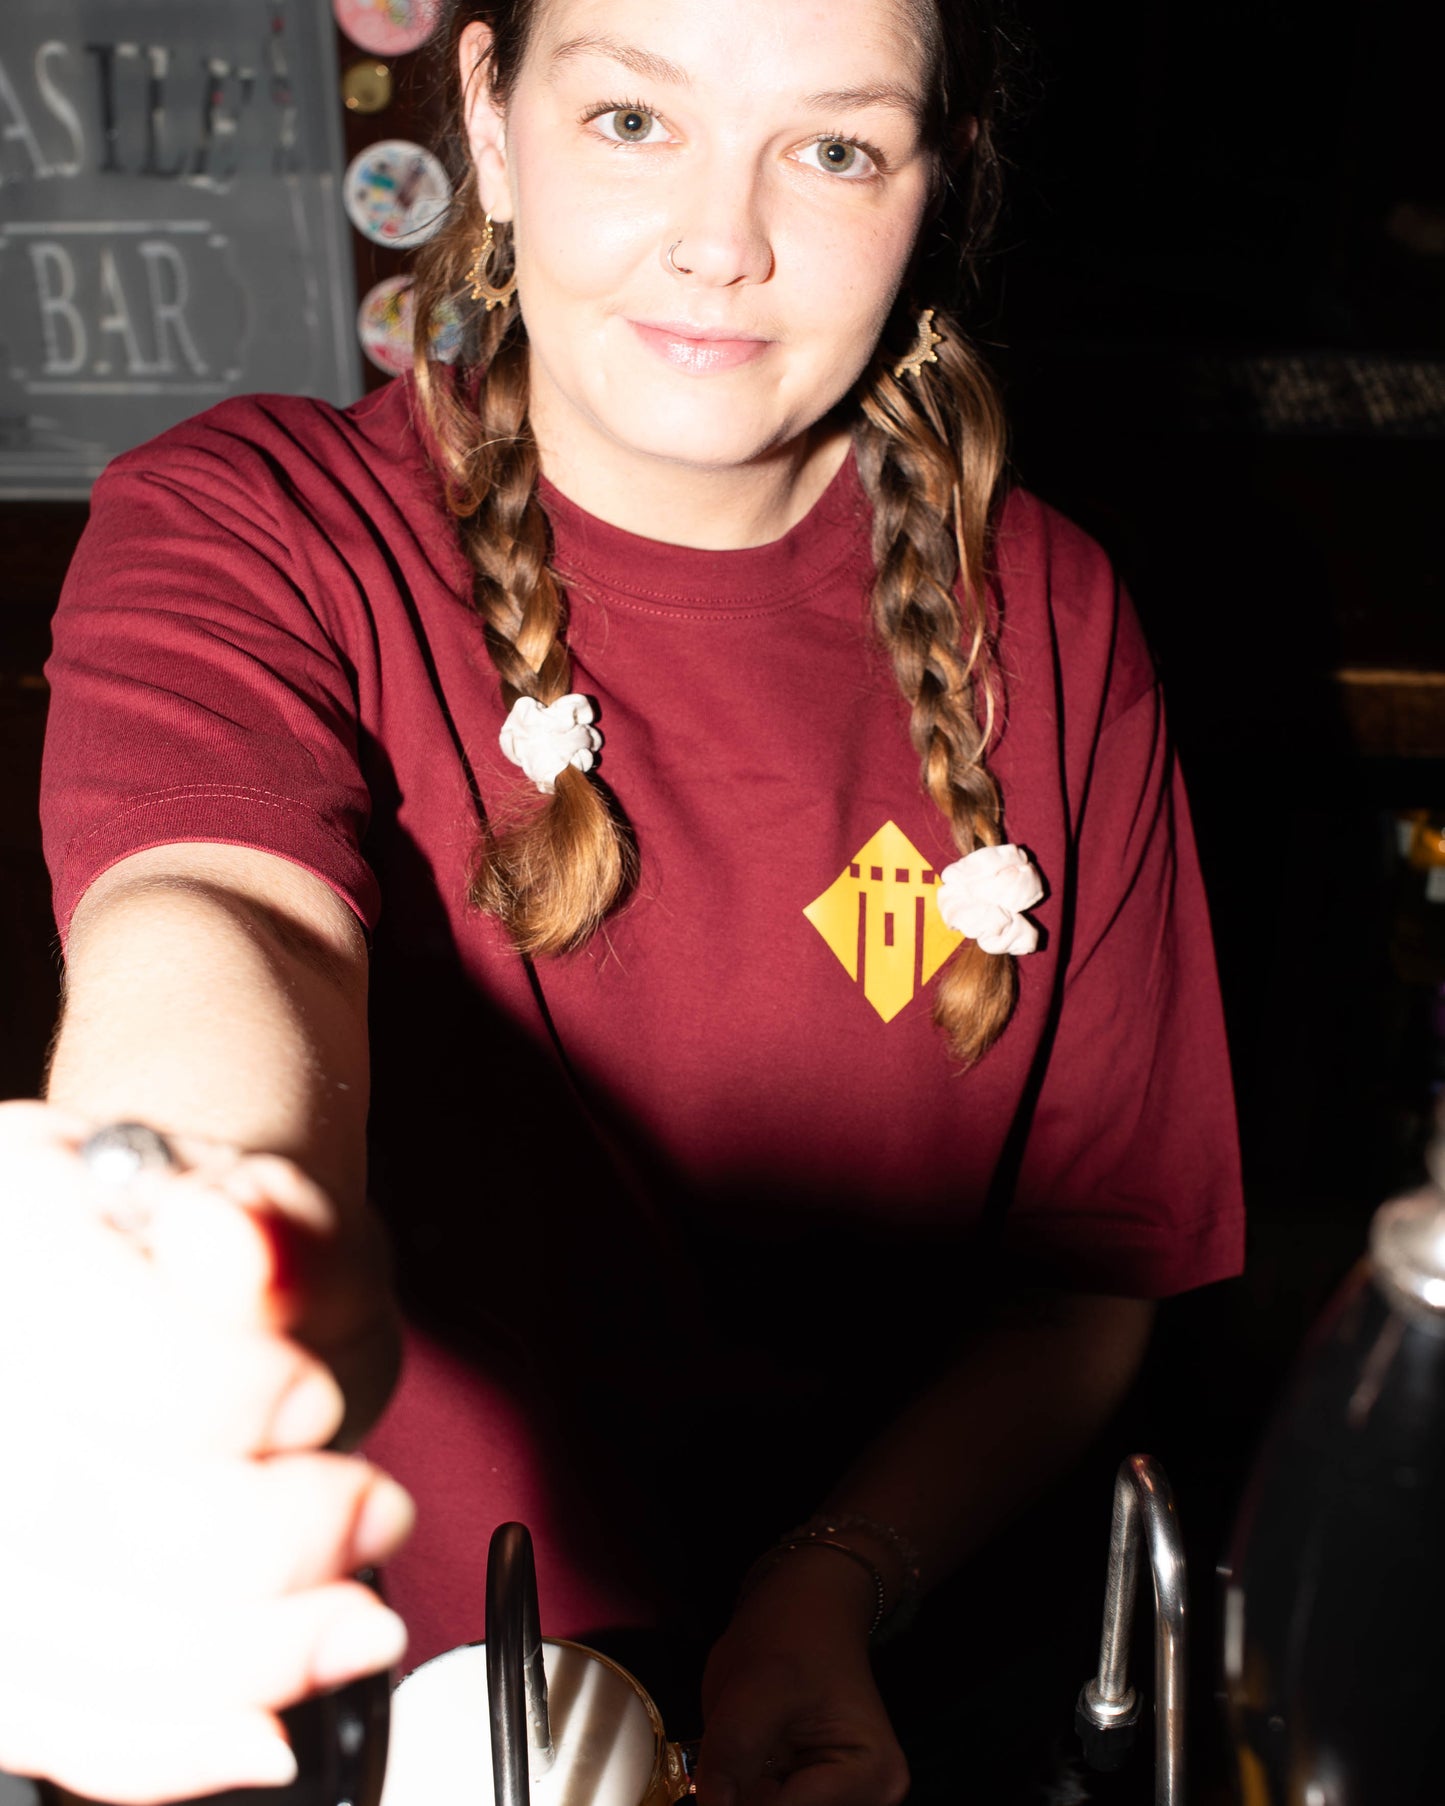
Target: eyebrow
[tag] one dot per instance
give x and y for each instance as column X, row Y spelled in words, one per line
column 640, row 62
column 885, row 94
column 657, row 68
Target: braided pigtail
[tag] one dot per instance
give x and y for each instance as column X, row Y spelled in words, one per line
column 930, row 450
column 552, row 871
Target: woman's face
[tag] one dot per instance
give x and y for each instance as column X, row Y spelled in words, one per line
column 774, row 143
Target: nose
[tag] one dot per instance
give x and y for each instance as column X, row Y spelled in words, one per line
column 719, row 236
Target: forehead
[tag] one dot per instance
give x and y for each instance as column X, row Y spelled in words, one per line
column 762, row 44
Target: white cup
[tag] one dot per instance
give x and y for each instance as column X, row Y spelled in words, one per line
column 610, row 1747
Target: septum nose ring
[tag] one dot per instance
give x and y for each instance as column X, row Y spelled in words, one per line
column 678, row 268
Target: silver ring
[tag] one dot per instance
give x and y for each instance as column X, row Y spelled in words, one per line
column 121, row 1151
column 677, row 268
column 115, row 1157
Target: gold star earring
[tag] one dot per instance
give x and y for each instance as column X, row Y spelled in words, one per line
column 923, row 346
column 480, row 288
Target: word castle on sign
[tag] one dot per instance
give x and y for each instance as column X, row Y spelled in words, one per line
column 170, row 228
column 120, row 108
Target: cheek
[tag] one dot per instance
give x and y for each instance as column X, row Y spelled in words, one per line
column 577, row 236
column 854, row 274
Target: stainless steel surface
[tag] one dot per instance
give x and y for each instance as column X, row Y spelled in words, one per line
column 516, row 1678
column 1407, row 1245
column 1144, row 1512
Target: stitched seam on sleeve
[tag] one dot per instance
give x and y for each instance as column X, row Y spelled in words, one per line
column 270, row 799
column 1136, row 1232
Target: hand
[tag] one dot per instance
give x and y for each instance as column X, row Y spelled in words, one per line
column 791, row 1714
column 175, row 1552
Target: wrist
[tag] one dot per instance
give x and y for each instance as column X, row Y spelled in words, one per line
column 890, row 1549
column 881, row 1557
column 811, row 1578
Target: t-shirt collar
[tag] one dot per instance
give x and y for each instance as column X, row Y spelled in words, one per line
column 654, row 571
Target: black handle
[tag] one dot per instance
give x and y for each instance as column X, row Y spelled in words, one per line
column 1106, row 1747
column 340, row 1740
column 516, row 1678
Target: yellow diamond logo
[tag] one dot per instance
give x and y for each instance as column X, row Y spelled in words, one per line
column 880, row 916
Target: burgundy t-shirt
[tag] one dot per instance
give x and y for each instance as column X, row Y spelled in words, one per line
column 678, row 1219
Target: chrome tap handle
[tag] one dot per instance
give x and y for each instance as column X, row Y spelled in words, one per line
column 516, row 1677
column 1143, row 1509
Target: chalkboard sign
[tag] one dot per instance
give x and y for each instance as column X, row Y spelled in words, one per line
column 171, row 229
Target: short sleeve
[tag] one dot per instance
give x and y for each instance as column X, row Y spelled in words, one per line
column 1129, row 1178
column 196, row 692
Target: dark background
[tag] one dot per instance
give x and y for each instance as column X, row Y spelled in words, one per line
column 1219, row 305
column 1217, row 301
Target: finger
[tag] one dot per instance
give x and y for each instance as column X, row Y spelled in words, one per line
column 216, row 1256
column 247, row 1239
column 55, row 1207
column 142, row 1346
column 251, row 1241
column 127, row 1650
column 230, row 1229
column 118, row 1367
column 294, row 1223
column 243, row 1530
column 129, row 1344
column 745, row 1736
column 864, row 1775
column 27, row 1124
column 136, row 1760
column 767, row 1790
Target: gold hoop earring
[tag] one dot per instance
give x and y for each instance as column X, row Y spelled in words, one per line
column 923, row 351
column 480, row 288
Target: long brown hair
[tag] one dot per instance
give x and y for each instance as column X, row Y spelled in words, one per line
column 930, row 451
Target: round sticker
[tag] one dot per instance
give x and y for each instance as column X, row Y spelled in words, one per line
column 396, row 193
column 387, row 27
column 366, row 87
column 385, row 321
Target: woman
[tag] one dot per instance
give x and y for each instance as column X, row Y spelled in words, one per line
column 701, row 1230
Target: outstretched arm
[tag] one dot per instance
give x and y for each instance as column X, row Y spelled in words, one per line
column 789, row 1690
column 219, row 993
column 177, row 1557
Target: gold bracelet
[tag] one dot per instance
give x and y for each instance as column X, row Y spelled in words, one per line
column 809, row 1539
column 827, row 1523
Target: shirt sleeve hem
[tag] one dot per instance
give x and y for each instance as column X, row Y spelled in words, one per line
column 1141, row 1267
column 221, row 815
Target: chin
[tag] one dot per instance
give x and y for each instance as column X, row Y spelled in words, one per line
column 720, row 453
column 711, row 431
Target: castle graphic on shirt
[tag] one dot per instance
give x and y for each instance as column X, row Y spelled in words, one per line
column 880, row 916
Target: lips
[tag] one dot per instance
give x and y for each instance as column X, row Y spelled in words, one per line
column 699, row 350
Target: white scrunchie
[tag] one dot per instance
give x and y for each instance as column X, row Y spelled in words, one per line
column 545, row 741
column 984, row 895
